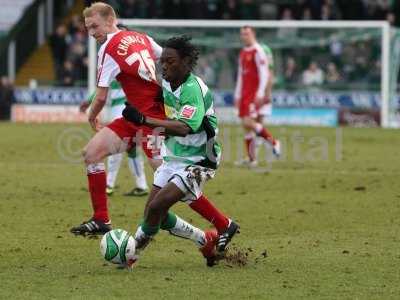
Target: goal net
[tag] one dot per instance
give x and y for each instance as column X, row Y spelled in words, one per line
column 325, row 73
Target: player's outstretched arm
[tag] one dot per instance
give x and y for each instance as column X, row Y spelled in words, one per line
column 171, row 127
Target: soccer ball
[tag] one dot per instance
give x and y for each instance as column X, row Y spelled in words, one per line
column 118, row 247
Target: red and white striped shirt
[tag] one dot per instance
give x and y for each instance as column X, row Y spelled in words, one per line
column 129, row 57
column 253, row 73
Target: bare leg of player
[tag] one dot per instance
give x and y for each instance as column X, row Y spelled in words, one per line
column 104, row 143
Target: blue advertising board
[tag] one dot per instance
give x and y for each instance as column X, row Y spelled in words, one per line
column 304, row 116
column 51, row 95
column 314, row 98
column 293, row 99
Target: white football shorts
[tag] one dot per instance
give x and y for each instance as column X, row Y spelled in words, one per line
column 190, row 179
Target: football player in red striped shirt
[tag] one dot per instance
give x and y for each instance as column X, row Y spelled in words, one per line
column 250, row 93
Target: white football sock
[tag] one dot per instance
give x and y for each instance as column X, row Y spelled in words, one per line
column 113, row 165
column 185, row 230
column 139, row 233
column 95, row 168
column 136, row 166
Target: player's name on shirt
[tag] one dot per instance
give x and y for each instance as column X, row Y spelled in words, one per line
column 128, row 40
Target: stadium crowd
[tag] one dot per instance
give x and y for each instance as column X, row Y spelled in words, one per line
column 331, row 65
column 260, row 9
column 69, row 49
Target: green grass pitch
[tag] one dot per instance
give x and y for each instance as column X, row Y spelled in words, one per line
column 328, row 216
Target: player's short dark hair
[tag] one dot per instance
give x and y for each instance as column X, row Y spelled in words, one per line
column 184, row 48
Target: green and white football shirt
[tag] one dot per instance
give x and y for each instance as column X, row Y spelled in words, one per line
column 268, row 53
column 116, row 94
column 190, row 103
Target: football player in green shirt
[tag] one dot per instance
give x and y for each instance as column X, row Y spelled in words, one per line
column 190, row 151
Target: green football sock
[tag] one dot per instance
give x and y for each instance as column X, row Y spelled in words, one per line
column 148, row 229
column 169, row 222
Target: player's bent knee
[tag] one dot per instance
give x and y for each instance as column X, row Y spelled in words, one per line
column 248, row 127
column 85, row 156
column 91, row 156
column 155, row 208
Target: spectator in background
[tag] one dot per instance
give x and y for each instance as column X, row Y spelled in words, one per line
column 77, row 26
column 67, row 74
column 395, row 9
column 336, row 50
column 326, row 13
column 352, row 63
column 391, row 18
column 76, row 57
column 75, row 50
column 254, row 9
column 313, row 75
column 362, row 67
column 229, row 10
column 286, row 32
column 59, row 45
column 248, row 10
column 374, row 76
column 6, row 98
column 361, row 62
column 84, row 70
column 287, row 14
column 333, row 76
column 268, row 11
column 307, row 14
column 290, row 74
column 333, row 9
column 206, row 72
column 213, row 11
column 380, row 9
